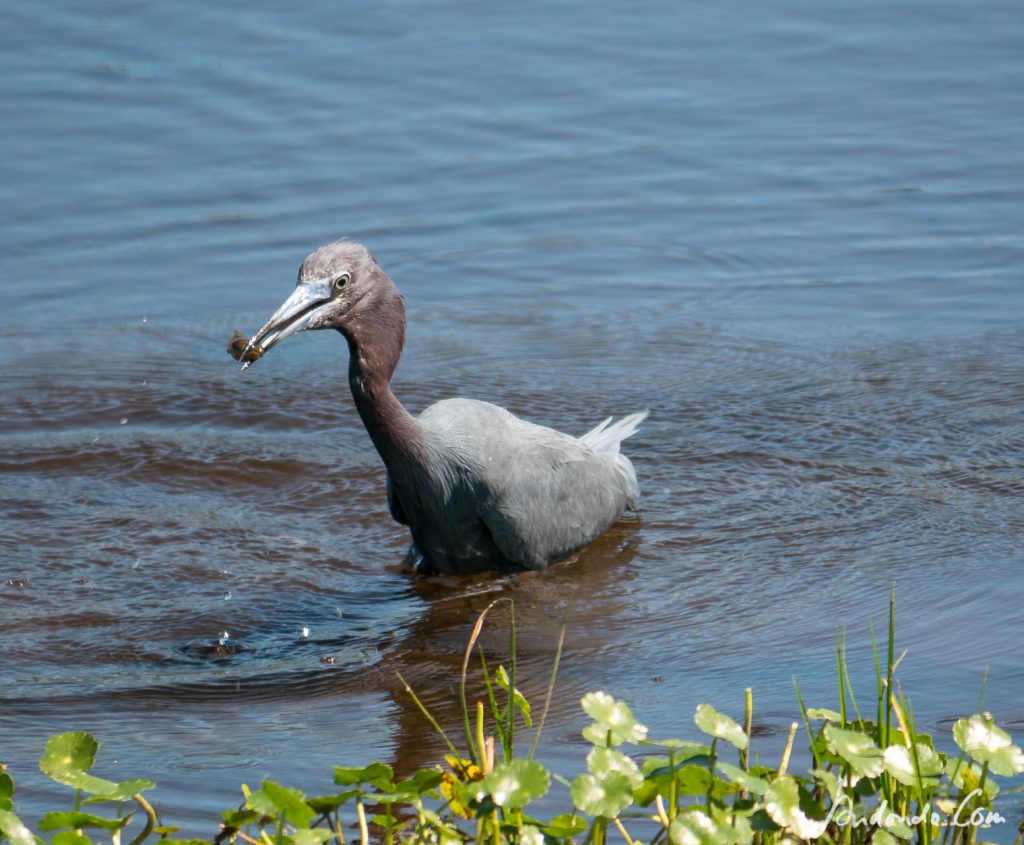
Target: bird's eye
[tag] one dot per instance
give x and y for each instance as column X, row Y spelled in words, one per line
column 341, row 281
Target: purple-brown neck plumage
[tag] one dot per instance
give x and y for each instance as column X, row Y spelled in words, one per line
column 375, row 330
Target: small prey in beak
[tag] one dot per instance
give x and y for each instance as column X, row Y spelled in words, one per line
column 293, row 316
column 238, row 345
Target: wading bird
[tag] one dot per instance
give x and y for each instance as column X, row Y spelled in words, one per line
column 478, row 487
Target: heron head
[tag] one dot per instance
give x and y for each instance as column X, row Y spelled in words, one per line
column 335, row 284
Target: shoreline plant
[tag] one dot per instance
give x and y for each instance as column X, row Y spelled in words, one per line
column 874, row 778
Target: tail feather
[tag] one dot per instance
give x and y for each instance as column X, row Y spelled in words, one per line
column 606, row 436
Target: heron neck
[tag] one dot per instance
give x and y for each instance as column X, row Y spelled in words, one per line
column 394, row 431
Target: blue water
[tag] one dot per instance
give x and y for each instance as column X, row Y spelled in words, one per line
column 791, row 232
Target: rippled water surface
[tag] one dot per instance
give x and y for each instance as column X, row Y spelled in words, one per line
column 792, row 233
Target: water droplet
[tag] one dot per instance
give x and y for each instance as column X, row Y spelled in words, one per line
column 338, row 611
column 145, row 381
column 138, row 561
column 144, row 320
column 305, row 632
column 223, row 638
column 124, row 420
column 226, row 596
column 329, row 658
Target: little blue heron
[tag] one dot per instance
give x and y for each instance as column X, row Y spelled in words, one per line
column 478, row 487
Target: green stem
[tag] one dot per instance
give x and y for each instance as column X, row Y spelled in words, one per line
column 712, row 759
column 492, row 701
column 511, row 729
column 550, row 694
column 431, row 719
column 788, row 749
column 364, row 832
column 839, row 672
column 673, row 788
column 889, row 658
column 474, row 635
column 147, row 808
column 481, row 741
column 807, row 722
column 982, row 779
column 748, row 708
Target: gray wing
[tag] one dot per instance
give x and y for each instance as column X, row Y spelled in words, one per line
column 559, row 497
column 540, row 493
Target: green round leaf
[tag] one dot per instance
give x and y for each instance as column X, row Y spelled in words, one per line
column 77, row 819
column 831, row 782
column 894, row 824
column 14, row 829
column 695, row 827
column 565, row 826
column 121, row 791
column 515, row 784
column 317, row 836
column 909, row 766
column 719, row 725
column 240, row 818
column 860, row 751
column 272, row 799
column 675, row 743
column 602, row 761
column 420, row 783
column 695, row 755
column 85, row 782
column 607, row 796
column 613, row 721
column 744, row 780
column 531, row 835
column 74, row 751
column 423, row 783
column 70, row 837
column 824, row 713
column 782, row 801
column 378, row 774
column 986, row 743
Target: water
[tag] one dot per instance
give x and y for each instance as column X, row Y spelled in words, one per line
column 791, row 233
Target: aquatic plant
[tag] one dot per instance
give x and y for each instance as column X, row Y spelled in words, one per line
column 872, row 780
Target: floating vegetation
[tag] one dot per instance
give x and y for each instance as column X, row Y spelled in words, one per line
column 872, row 780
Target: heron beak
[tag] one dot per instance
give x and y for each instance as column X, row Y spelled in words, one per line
column 293, row 316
